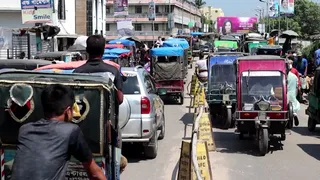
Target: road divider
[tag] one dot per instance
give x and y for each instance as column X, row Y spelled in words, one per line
column 194, row 161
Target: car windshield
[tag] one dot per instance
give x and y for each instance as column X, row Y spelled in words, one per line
column 266, row 85
column 222, row 74
column 131, row 85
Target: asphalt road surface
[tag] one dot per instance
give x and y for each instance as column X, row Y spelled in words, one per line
column 298, row 159
column 165, row 166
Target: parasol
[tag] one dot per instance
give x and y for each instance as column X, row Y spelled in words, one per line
column 289, row 33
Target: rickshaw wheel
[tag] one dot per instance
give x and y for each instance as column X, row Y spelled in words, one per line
column 290, row 113
column 228, row 118
column 263, row 141
column 162, row 129
column 311, row 124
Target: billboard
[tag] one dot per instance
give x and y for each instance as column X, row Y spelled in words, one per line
column 152, row 11
column 286, row 7
column 228, row 25
column 273, row 10
column 36, row 11
column 121, row 7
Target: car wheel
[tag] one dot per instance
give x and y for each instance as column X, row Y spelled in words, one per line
column 162, row 129
column 151, row 150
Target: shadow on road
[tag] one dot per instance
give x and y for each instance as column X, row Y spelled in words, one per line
column 311, row 149
column 305, row 132
column 228, row 142
column 168, row 100
column 133, row 152
column 187, row 120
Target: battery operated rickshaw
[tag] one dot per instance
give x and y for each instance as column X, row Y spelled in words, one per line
column 221, row 93
column 94, row 112
column 168, row 70
column 262, row 108
column 313, row 110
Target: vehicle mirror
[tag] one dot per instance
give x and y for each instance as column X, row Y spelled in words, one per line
column 161, row 91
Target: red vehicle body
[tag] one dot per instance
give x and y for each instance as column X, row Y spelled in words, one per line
column 172, row 86
column 111, row 46
column 262, row 106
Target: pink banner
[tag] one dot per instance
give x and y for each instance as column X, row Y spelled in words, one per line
column 228, row 25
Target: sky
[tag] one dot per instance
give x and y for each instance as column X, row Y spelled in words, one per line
column 240, row 8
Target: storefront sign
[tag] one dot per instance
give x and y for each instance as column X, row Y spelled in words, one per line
column 31, row 16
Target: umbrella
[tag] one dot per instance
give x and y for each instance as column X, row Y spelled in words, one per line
column 289, row 33
column 274, row 32
column 80, row 44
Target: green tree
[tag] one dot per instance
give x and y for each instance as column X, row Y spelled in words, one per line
column 305, row 21
column 200, row 3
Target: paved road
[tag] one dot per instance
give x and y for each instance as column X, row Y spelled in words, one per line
column 239, row 160
column 165, row 166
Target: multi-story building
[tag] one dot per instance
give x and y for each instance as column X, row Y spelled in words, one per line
column 212, row 13
column 185, row 16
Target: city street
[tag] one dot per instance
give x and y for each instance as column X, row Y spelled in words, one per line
column 165, row 166
column 239, row 160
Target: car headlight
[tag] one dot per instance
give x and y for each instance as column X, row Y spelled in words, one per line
column 263, row 105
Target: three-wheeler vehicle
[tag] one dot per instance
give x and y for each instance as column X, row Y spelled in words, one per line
column 60, row 56
column 23, row 64
column 94, row 113
column 188, row 38
column 313, row 110
column 179, row 42
column 251, row 46
column 225, row 46
column 262, row 108
column 131, row 45
column 123, row 58
column 221, row 93
column 167, row 69
column 275, row 50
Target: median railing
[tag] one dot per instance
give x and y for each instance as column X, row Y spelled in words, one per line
column 194, row 160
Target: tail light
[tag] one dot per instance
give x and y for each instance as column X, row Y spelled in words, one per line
column 276, row 115
column 145, row 105
column 248, row 115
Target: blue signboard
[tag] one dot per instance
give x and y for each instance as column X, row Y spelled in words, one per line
column 40, row 4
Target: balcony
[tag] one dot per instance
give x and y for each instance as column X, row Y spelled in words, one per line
column 142, row 35
column 161, row 17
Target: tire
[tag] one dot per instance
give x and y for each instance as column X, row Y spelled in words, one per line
column 311, row 124
column 162, row 129
column 263, row 141
column 228, row 118
column 181, row 99
column 151, row 151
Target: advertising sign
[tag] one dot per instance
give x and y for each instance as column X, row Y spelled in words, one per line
column 125, row 28
column 273, row 10
column 121, row 8
column 36, row 11
column 228, row 25
column 286, row 7
column 152, row 11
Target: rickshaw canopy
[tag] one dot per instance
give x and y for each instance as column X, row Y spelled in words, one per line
column 111, row 46
column 125, row 42
column 229, row 59
column 110, row 56
column 167, row 51
column 116, row 51
column 226, row 44
column 256, row 44
column 176, row 42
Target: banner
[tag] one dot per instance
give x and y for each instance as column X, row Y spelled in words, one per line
column 286, row 7
column 228, row 25
column 152, row 11
column 125, row 28
column 273, row 10
column 5, row 38
column 121, row 7
column 36, row 11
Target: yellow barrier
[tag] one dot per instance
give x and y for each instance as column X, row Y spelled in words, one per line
column 205, row 131
column 194, row 84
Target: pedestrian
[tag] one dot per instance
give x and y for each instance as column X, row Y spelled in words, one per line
column 292, row 95
column 95, row 64
column 317, row 58
column 202, row 68
column 301, row 64
column 45, row 146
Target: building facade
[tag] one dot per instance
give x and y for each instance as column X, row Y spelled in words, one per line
column 185, row 17
column 212, row 13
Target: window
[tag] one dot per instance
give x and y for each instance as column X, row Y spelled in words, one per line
column 149, row 84
column 61, row 9
column 131, row 85
column 138, row 27
column 108, row 10
column 107, row 27
column 166, row 9
column 89, row 18
column 138, row 9
column 157, row 9
column 156, row 27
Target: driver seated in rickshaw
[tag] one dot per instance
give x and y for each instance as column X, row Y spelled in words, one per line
column 261, row 88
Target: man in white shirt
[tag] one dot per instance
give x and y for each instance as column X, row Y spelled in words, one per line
column 202, row 67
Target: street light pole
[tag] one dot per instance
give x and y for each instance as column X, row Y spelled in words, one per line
column 267, row 4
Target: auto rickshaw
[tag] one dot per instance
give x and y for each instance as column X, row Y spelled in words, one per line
column 221, row 94
column 23, row 64
column 248, row 46
column 262, row 108
column 176, row 42
column 225, row 46
column 93, row 111
column 188, row 38
column 167, row 69
column 123, row 58
column 60, row 56
column 131, row 45
column 275, row 50
column 314, row 100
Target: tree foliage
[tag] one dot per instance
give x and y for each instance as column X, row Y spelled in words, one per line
column 200, row 3
column 306, row 19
